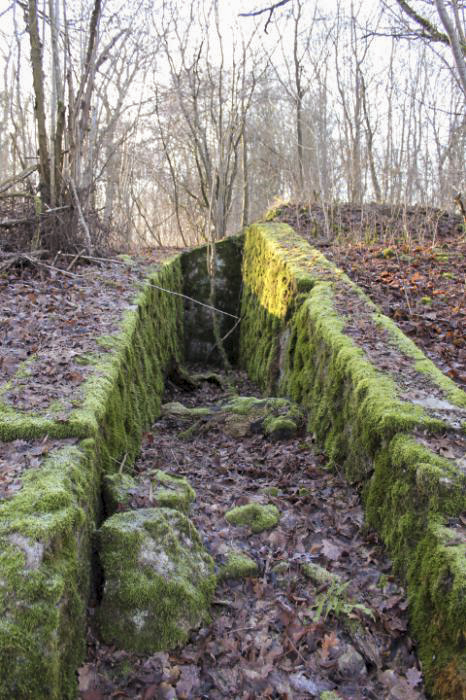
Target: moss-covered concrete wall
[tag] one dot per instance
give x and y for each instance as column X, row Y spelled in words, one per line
column 298, row 338
column 200, row 334
column 46, row 528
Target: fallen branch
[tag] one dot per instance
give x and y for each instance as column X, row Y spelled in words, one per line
column 9, row 182
column 8, row 223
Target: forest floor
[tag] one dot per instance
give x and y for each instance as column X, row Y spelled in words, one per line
column 412, row 263
column 276, row 634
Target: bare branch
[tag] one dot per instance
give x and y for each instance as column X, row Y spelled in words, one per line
column 270, row 9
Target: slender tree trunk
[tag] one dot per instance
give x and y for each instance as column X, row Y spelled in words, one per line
column 245, row 183
column 39, row 104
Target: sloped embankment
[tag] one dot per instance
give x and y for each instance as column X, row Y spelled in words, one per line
column 397, row 427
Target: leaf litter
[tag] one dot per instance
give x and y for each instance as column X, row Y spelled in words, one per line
column 50, row 323
column 279, row 634
column 409, row 260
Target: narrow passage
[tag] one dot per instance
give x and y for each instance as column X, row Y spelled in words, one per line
column 317, row 612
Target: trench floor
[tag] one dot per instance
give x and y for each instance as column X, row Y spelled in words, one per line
column 278, row 634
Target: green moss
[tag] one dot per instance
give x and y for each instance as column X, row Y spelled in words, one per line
column 246, row 405
column 421, row 362
column 173, row 491
column 175, row 408
column 388, row 253
column 318, row 575
column 159, row 580
column 117, row 490
column 437, row 595
column 280, row 428
column 256, row 516
column 238, row 565
column 271, row 491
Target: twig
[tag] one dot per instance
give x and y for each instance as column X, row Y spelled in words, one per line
column 269, row 9
column 56, row 257
column 6, row 223
column 4, row 186
column 122, row 464
column 195, row 301
column 225, row 336
column 76, row 257
column 82, row 220
column 149, row 284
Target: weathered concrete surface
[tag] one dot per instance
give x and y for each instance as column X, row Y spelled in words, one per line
column 199, row 336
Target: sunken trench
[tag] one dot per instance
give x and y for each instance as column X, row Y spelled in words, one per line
column 277, row 514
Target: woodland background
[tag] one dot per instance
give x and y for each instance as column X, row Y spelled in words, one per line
column 161, row 123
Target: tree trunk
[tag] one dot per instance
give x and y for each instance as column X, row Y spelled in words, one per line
column 39, row 103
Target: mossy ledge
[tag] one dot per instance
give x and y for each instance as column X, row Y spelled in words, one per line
column 293, row 343
column 46, row 529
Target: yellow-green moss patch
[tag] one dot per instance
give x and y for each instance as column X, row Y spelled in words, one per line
column 256, row 516
column 238, row 565
column 172, row 491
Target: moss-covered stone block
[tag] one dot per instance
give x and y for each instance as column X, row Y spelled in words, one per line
column 172, row 491
column 117, row 490
column 122, row 393
column 256, row 516
column 238, row 565
column 175, row 408
column 46, row 528
column 318, row 575
column 275, row 417
column 159, row 580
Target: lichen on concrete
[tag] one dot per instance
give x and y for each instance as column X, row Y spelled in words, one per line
column 256, row 516
column 159, row 580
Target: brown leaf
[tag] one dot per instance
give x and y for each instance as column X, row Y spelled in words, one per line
column 329, row 642
column 95, row 694
column 189, row 680
column 86, row 677
column 330, row 550
column 413, row 676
